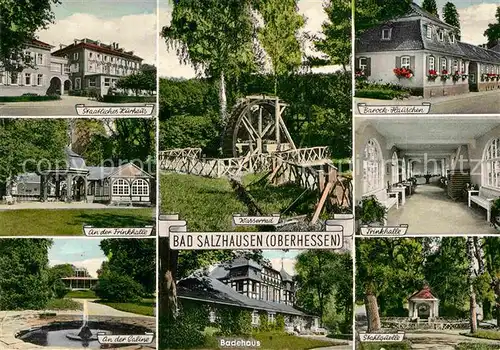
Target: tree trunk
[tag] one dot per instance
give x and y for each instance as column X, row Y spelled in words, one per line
column 168, row 272
column 372, row 312
column 473, row 315
column 223, row 110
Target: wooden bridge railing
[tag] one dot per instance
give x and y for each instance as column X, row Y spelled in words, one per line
column 304, row 155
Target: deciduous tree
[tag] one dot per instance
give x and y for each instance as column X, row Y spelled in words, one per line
column 19, row 22
column 336, row 39
column 493, row 31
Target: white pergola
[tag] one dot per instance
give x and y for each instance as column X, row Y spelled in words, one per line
column 425, row 300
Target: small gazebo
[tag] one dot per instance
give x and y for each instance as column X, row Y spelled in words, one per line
column 423, row 305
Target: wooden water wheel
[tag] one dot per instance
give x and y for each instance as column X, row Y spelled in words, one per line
column 256, row 126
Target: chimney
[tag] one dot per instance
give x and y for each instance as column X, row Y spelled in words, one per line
column 75, row 41
column 116, row 46
column 61, row 46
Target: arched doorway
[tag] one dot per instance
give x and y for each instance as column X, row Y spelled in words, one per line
column 67, row 86
column 55, row 86
column 424, row 310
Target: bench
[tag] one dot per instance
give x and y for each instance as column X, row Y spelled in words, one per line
column 388, row 200
column 9, row 199
column 483, row 197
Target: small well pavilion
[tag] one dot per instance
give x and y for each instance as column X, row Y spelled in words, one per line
column 423, row 305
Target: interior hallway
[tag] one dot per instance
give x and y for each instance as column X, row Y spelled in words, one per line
column 430, row 211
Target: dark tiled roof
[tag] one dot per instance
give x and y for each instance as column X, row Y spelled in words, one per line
column 285, row 276
column 425, row 293
column 404, row 36
column 209, row 289
column 480, row 54
column 419, row 11
column 99, row 172
column 36, row 42
column 242, row 261
column 97, row 48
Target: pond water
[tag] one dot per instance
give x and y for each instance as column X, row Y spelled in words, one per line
column 67, row 334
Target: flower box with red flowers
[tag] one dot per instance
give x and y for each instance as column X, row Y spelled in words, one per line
column 432, row 75
column 403, row 73
column 445, row 75
column 456, row 76
column 360, row 75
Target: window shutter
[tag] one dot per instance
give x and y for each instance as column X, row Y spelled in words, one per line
column 412, row 63
column 356, row 63
column 368, row 70
column 398, row 62
column 428, row 64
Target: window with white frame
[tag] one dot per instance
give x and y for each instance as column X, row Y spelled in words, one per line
column 405, row 62
column 452, row 38
column 491, row 164
column 455, row 66
column 121, row 187
column 372, row 167
column 39, row 80
column 27, row 78
column 2, row 78
column 255, row 318
column 395, row 168
column 270, row 317
column 140, row 187
column 107, row 81
column 363, row 63
column 444, row 63
column 462, row 66
column 75, row 56
column 441, row 35
column 92, row 82
column 212, row 316
column 386, row 34
column 403, row 169
column 39, row 59
column 432, row 63
column 428, row 31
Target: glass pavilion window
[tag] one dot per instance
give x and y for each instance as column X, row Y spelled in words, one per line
column 372, row 167
column 491, row 164
column 395, row 169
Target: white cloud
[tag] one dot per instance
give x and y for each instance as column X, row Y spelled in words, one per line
column 474, row 21
column 136, row 33
column 92, row 265
column 288, row 265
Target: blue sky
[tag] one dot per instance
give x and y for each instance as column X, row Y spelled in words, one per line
column 81, row 252
column 104, row 8
column 463, row 3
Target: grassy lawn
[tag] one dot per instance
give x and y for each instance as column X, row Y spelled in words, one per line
column 69, row 221
column 63, row 304
column 145, row 307
column 275, row 340
column 208, row 204
column 81, row 294
column 471, row 346
column 404, row 345
column 484, row 334
column 272, row 340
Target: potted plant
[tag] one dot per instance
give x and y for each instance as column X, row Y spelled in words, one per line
column 432, row 75
column 456, row 76
column 370, row 212
column 445, row 75
column 360, row 75
column 464, row 76
column 495, row 213
column 403, row 73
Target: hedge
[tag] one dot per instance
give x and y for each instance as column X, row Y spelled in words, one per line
column 118, row 288
column 381, row 94
column 29, row 98
column 404, row 345
column 128, row 99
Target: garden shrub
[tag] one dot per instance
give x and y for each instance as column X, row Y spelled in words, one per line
column 234, row 322
column 186, row 331
column 59, row 289
column 29, row 98
column 404, row 345
column 280, row 323
column 191, row 131
column 264, row 325
column 118, row 288
column 381, row 94
column 128, row 99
